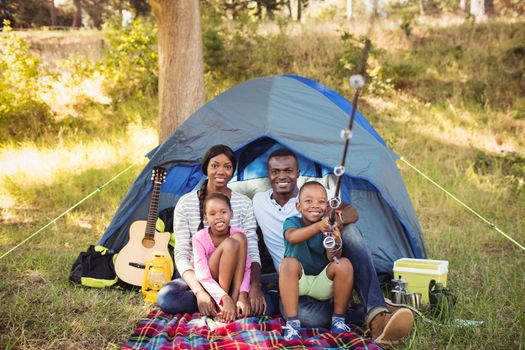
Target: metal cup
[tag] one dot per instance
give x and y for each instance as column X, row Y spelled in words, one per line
column 413, row 299
column 397, row 296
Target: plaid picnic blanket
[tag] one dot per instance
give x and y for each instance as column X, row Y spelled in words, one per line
column 165, row 331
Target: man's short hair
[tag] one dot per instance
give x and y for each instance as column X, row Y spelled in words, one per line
column 311, row 184
column 284, row 152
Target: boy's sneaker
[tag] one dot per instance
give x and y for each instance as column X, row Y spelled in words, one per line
column 339, row 326
column 291, row 331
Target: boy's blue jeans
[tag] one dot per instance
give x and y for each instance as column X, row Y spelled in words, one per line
column 176, row 297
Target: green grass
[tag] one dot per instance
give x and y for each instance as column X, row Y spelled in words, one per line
column 456, row 114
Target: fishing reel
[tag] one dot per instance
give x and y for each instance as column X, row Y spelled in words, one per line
column 332, row 245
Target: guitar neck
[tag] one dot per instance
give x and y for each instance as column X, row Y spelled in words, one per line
column 153, row 210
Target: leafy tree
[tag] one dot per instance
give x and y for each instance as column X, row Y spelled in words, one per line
column 21, row 108
column 6, row 12
column 27, row 13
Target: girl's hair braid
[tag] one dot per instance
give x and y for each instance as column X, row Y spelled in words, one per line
column 202, row 196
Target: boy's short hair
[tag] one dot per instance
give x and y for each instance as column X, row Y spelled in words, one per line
column 283, row 152
column 310, row 184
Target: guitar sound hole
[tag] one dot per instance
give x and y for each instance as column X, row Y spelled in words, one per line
column 148, row 242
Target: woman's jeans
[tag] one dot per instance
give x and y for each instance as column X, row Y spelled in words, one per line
column 177, row 297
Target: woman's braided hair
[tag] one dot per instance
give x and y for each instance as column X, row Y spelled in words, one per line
column 214, row 151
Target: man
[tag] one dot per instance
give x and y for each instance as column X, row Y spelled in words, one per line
column 272, row 207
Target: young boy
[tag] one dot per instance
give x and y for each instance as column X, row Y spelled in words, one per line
column 306, row 269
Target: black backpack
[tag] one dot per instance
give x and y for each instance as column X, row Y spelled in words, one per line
column 94, row 268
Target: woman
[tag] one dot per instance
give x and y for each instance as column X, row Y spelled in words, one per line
column 186, row 294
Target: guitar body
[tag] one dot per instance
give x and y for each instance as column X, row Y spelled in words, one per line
column 131, row 260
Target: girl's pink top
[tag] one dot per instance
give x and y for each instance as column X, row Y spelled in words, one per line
column 203, row 248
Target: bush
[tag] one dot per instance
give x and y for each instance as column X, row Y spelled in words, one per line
column 352, row 58
column 131, row 59
column 22, row 111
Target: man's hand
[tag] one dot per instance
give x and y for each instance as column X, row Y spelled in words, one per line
column 243, row 305
column 257, row 301
column 205, row 304
column 228, row 311
column 345, row 214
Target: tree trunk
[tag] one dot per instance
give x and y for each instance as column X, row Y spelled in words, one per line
column 299, row 10
column 289, row 6
column 77, row 16
column 463, row 6
column 371, row 7
column 349, row 9
column 181, row 66
column 53, row 13
column 421, row 8
column 478, row 8
column 269, row 5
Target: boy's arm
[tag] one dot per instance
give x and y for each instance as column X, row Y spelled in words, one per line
column 301, row 234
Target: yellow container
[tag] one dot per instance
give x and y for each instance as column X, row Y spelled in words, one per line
column 419, row 272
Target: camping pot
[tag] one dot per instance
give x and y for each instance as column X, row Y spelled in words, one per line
column 413, row 299
column 399, row 284
column 397, row 296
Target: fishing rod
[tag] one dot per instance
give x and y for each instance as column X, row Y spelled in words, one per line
column 331, row 243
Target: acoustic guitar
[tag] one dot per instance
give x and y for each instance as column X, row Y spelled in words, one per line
column 143, row 240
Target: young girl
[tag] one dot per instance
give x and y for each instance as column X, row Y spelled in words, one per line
column 186, row 294
column 220, row 259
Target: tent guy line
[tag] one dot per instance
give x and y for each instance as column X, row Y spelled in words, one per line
column 491, row 224
column 98, row 189
column 132, row 165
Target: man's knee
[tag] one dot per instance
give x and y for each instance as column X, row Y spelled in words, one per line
column 352, row 237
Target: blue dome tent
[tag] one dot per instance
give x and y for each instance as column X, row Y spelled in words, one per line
column 260, row 115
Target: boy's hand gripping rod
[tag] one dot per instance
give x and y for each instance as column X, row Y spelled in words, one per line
column 357, row 81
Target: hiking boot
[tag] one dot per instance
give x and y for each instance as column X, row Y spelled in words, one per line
column 391, row 327
column 393, row 307
column 291, row 331
column 340, row 326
